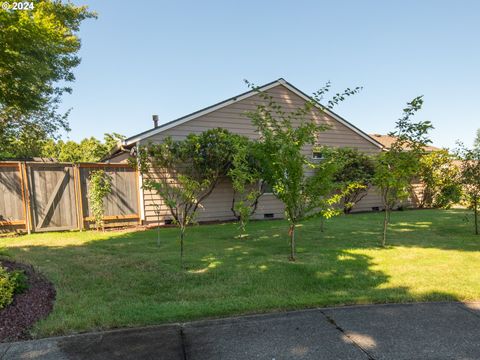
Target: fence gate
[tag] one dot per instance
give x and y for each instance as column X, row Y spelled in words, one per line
column 12, row 205
column 122, row 204
column 53, row 204
column 38, row 196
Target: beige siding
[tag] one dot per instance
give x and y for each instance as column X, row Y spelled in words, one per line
column 370, row 201
column 232, row 117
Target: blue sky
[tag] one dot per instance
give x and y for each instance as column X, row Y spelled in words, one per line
column 174, row 57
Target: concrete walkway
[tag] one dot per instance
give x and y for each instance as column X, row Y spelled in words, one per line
column 411, row 331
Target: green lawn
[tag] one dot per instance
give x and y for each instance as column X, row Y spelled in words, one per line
column 115, row 279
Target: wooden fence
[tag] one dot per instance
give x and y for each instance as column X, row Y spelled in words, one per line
column 54, row 196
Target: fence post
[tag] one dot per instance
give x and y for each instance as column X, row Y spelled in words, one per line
column 78, row 196
column 22, row 167
column 139, row 195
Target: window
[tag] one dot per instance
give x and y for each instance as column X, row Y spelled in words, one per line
column 317, row 155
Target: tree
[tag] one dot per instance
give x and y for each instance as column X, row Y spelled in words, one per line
column 295, row 179
column 87, row 150
column 397, row 166
column 328, row 192
column 38, row 52
column 26, row 137
column 439, row 177
column 470, row 179
column 355, row 168
column 184, row 173
column 247, row 183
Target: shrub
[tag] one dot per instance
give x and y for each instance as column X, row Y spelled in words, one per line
column 439, row 175
column 470, row 180
column 245, row 175
column 100, row 187
column 354, row 168
column 11, row 283
column 449, row 194
column 19, row 280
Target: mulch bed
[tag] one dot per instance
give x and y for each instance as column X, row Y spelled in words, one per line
column 27, row 308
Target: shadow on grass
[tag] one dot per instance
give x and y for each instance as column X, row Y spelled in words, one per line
column 436, row 229
column 125, row 279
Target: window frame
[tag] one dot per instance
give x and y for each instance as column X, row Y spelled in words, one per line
column 322, row 157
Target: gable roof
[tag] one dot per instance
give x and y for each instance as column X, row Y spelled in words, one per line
column 148, row 133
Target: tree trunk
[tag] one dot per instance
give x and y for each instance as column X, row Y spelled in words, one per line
column 385, row 225
column 182, row 235
column 291, row 231
column 237, row 216
column 158, row 228
column 475, row 212
column 322, row 224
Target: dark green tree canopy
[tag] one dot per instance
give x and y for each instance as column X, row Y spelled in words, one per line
column 246, row 176
column 354, row 167
column 38, row 52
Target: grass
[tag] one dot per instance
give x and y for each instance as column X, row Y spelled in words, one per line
column 117, row 279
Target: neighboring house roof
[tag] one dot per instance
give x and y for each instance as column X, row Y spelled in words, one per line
column 387, row 141
column 148, row 133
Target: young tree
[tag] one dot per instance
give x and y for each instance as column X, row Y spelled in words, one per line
column 397, row 166
column 248, row 185
column 283, row 163
column 439, row 177
column 470, row 179
column 38, row 52
column 355, row 169
column 328, row 192
column 184, row 173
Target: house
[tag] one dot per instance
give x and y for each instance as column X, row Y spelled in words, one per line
column 230, row 114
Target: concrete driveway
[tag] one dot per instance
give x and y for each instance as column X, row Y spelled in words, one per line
column 409, row 331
